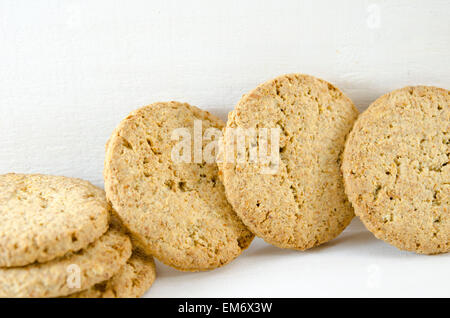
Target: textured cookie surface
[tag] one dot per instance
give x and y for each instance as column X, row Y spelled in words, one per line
column 132, row 281
column 396, row 169
column 44, row 217
column 60, row 277
column 178, row 211
column 303, row 203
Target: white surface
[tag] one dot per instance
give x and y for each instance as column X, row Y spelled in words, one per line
column 355, row 264
column 71, row 70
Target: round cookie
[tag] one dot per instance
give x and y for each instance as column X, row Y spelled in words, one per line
column 396, row 170
column 177, row 211
column 44, row 217
column 132, row 281
column 96, row 263
column 301, row 203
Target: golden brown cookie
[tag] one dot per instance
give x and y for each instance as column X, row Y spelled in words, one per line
column 396, row 169
column 44, row 217
column 69, row 274
column 301, row 204
column 132, row 281
column 178, row 211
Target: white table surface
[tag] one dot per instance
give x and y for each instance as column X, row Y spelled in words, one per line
column 71, row 70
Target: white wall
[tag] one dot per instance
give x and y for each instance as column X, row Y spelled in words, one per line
column 71, row 70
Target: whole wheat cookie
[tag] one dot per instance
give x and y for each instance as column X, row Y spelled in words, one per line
column 177, row 211
column 132, row 280
column 44, row 217
column 396, row 170
column 69, row 274
column 301, row 204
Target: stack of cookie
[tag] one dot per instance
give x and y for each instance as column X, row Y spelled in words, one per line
column 56, row 241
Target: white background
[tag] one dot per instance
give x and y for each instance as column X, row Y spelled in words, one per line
column 71, row 70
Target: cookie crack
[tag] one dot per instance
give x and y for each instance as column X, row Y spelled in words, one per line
column 292, row 187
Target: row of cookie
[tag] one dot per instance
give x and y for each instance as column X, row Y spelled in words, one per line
column 195, row 215
column 56, row 241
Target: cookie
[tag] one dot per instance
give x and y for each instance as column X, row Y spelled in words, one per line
column 176, row 210
column 396, row 170
column 92, row 265
column 132, row 281
column 298, row 200
column 44, row 217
